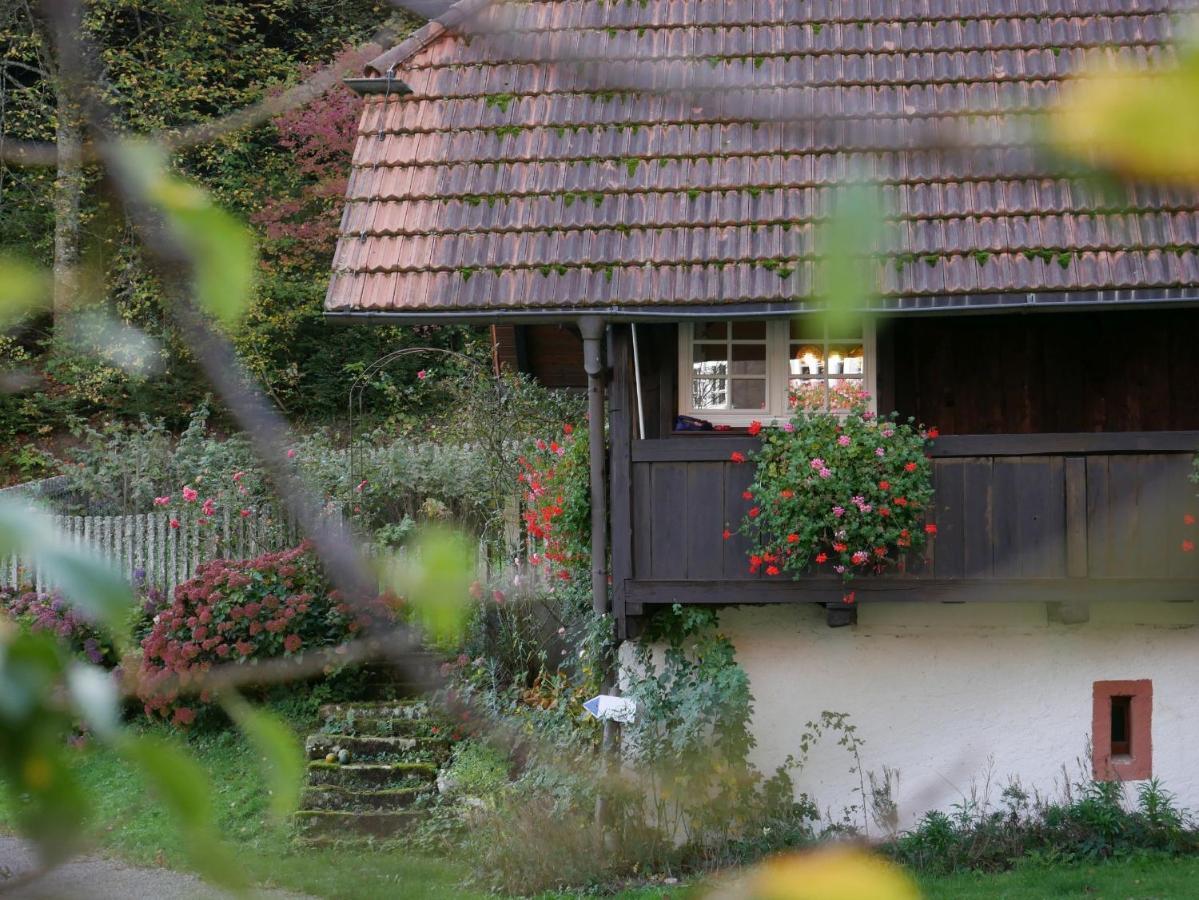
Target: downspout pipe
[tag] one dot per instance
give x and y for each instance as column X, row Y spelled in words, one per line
column 593, row 329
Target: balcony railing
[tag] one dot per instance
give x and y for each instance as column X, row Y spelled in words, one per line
column 1070, row 517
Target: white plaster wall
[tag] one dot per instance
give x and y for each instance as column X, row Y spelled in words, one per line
column 954, row 695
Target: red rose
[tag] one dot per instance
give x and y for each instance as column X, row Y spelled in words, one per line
column 755, row 428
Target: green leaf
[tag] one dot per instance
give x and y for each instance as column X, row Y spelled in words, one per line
column 183, row 787
column 23, row 287
column 435, row 580
column 94, row 694
column 844, row 283
column 272, row 737
column 221, row 248
column 88, row 582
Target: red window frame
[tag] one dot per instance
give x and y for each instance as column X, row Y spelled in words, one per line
column 1130, row 759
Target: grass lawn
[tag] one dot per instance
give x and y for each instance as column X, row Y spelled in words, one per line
column 130, row 825
column 1145, row 878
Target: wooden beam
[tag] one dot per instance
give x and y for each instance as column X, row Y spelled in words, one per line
column 620, row 475
column 645, row 592
column 704, row 446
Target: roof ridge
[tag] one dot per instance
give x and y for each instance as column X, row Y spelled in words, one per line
column 423, row 37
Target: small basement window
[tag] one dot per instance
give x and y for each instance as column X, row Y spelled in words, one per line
column 733, row 372
column 1121, row 733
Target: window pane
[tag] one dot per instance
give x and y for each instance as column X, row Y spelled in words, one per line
column 749, row 393
column 844, row 392
column 807, row 328
column 807, row 393
column 749, row 359
column 749, row 331
column 807, row 359
column 710, row 359
column 712, row 331
column 709, row 393
column 846, row 359
column 850, row 330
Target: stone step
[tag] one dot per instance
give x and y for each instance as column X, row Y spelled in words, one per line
column 374, row 747
column 333, row 797
column 371, row 775
column 377, row 709
column 385, row 726
column 325, row 823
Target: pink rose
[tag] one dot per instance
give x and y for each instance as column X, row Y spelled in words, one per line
column 291, row 454
column 422, row 374
column 174, row 523
column 190, row 494
column 162, row 501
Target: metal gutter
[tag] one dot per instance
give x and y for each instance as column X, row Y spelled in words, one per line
column 909, row 306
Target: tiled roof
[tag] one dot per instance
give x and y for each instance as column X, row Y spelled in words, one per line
column 547, row 163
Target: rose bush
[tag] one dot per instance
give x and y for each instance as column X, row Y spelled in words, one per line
column 243, row 610
column 555, row 483
column 844, row 494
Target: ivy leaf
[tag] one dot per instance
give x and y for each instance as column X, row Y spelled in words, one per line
column 221, row 248
column 271, row 737
column 184, row 789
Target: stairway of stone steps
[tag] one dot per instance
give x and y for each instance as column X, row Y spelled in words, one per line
column 371, row 768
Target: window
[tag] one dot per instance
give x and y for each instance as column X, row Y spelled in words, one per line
column 732, row 372
column 1121, row 733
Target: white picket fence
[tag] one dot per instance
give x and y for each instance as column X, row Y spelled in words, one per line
column 147, row 545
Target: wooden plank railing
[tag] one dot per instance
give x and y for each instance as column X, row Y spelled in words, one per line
column 1049, row 509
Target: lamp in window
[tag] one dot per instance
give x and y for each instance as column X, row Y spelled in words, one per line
column 807, row 361
column 855, row 361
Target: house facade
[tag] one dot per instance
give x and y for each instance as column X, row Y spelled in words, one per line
column 632, row 196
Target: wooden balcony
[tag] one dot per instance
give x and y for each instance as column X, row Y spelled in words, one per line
column 1051, row 517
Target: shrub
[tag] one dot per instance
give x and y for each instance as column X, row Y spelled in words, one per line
column 50, row 613
column 238, row 611
column 555, row 478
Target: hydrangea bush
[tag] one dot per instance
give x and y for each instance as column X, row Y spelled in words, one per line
column 276, row 605
column 50, row 613
column 838, row 494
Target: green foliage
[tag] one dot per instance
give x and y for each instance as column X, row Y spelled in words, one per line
column 478, row 770
column 838, row 494
column 1092, row 821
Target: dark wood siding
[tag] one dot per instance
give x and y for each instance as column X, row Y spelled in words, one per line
column 1032, row 373
column 553, row 354
column 1047, row 508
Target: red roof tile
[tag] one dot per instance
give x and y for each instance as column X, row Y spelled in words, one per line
column 542, row 163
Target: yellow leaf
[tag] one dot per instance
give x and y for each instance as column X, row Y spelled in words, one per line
column 832, row 873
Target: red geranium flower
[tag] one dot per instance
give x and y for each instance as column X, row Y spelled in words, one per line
column 755, row 428
column 1188, row 546
column 821, row 558
column 1188, row 519
column 840, row 548
column 747, row 495
column 787, row 493
column 884, row 511
column 930, row 528
column 909, row 467
column 753, row 512
column 884, row 485
column 793, row 538
column 726, row 534
column 849, row 598
column 737, row 456
column 933, row 434
column 772, row 570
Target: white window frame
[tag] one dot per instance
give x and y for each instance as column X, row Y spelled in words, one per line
column 778, row 374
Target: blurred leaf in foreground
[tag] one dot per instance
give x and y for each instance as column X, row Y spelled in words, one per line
column 846, row 280
column 89, row 583
column 434, row 578
column 221, row 248
column 1135, row 123
column 272, row 737
column 831, row 873
column 23, row 287
column 184, row 789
